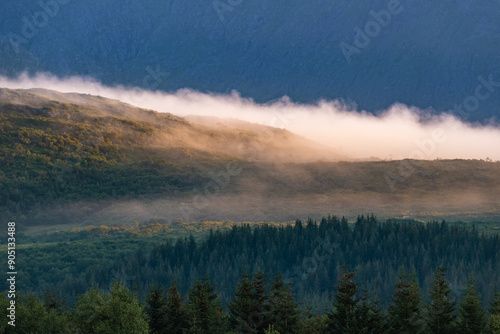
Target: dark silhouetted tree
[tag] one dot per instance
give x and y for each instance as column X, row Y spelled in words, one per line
column 205, row 314
column 472, row 317
column 494, row 321
column 344, row 316
column 371, row 318
column 243, row 306
column 440, row 315
column 155, row 308
column 284, row 313
column 405, row 312
column 175, row 316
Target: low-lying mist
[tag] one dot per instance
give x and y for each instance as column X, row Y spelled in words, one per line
column 397, row 133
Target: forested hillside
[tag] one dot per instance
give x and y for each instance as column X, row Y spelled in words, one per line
column 53, row 152
column 78, row 160
column 313, row 277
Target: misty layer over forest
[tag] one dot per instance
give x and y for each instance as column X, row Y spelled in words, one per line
column 172, row 167
column 81, row 159
column 398, row 132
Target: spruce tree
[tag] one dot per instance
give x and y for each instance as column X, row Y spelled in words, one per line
column 52, row 301
column 125, row 313
column 314, row 324
column 343, row 317
column 284, row 313
column 495, row 304
column 472, row 317
column 260, row 318
column 494, row 322
column 117, row 312
column 155, row 305
column 271, row 330
column 405, row 312
column 205, row 314
column 243, row 306
column 175, row 317
column 370, row 316
column 440, row 315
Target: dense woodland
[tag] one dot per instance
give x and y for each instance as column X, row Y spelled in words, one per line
column 260, row 306
column 310, row 255
column 327, row 276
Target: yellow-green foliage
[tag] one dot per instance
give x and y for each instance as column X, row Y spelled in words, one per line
column 65, row 152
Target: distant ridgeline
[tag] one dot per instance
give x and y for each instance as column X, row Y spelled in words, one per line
column 310, row 255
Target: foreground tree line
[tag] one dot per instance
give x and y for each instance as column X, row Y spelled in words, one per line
column 257, row 308
column 310, row 253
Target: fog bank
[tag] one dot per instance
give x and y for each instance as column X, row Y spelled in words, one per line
column 399, row 132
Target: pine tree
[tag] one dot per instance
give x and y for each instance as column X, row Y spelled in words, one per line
column 271, row 330
column 243, row 306
column 89, row 309
column 284, row 313
column 124, row 312
column 32, row 316
column 472, row 317
column 205, row 314
column 343, row 318
column 405, row 312
column 495, row 304
column 155, row 307
column 370, row 316
column 175, row 317
column 260, row 318
column 314, row 324
column 494, row 322
column 52, row 301
column 117, row 312
column 440, row 315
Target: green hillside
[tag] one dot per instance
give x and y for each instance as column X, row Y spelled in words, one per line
column 53, row 151
column 71, row 159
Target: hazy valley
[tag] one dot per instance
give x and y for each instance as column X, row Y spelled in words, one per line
column 250, row 167
column 85, row 160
